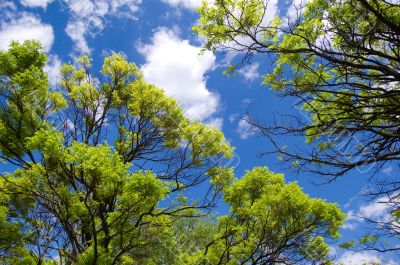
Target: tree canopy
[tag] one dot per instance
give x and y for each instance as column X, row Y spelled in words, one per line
column 340, row 61
column 100, row 169
column 339, row 58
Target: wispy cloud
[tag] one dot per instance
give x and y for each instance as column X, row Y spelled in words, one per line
column 88, row 18
column 36, row 3
column 364, row 257
column 53, row 69
column 188, row 4
column 244, row 129
column 377, row 210
column 250, row 72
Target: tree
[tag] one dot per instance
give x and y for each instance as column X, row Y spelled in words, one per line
column 87, row 201
column 102, row 166
column 271, row 222
column 340, row 60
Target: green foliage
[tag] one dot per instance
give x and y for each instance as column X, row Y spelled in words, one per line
column 76, row 199
column 270, row 221
column 25, row 98
column 340, row 62
column 12, row 249
column 348, row 245
column 339, row 58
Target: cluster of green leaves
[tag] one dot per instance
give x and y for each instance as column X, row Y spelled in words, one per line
column 75, row 199
column 25, row 98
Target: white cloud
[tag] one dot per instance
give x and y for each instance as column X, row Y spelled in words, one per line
column 366, row 258
column 8, row 12
column 7, row 5
column 377, row 210
column 351, row 222
column 326, row 39
column 246, row 102
column 23, row 27
column 89, row 18
column 349, row 202
column 233, row 117
column 332, row 251
column 76, row 31
column 53, row 69
column 124, row 7
column 217, row 123
column 272, row 11
column 36, row 3
column 296, row 9
column 176, row 66
column 250, row 72
column 245, row 130
column 189, row 4
column 69, row 125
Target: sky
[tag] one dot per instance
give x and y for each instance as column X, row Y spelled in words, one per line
column 157, row 35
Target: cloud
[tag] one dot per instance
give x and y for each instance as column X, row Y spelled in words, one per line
column 189, row 4
column 52, row 69
column 246, row 102
column 69, row 125
column 296, row 8
column 245, row 130
column 76, row 30
column 176, row 66
column 26, row 26
column 377, row 210
column 36, row 3
column 217, row 123
column 350, row 223
column 86, row 9
column 332, row 251
column 233, row 117
column 4, row 5
column 250, row 72
column 88, row 18
column 272, row 11
column 364, row 257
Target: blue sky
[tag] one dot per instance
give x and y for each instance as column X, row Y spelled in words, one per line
column 157, row 35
